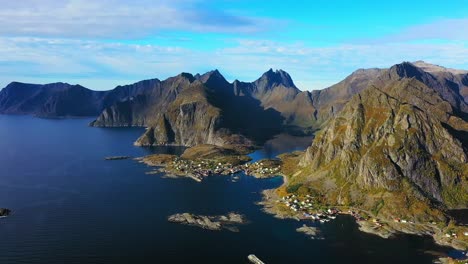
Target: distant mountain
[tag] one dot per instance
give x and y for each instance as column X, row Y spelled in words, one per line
column 398, row 147
column 62, row 99
column 331, row 100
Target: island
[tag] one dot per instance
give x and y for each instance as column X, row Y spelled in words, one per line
column 204, row 160
column 215, row 223
column 310, row 231
column 4, row 212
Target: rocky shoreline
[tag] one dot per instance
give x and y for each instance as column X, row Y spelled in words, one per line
column 447, row 235
column 229, row 222
column 273, row 200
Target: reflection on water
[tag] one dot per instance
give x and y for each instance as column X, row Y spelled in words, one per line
column 280, row 144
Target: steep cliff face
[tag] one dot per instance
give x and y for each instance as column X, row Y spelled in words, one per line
column 152, row 97
column 399, row 146
column 191, row 119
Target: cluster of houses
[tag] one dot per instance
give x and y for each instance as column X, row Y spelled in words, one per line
column 200, row 169
column 454, row 235
column 260, row 168
column 306, row 206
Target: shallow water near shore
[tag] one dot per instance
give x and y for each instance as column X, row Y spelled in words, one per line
column 71, row 206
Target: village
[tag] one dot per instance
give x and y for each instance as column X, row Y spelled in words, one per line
column 199, row 169
column 309, row 208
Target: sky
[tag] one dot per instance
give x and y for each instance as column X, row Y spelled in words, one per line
column 105, row 43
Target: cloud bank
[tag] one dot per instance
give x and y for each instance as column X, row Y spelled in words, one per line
column 119, row 18
column 92, row 62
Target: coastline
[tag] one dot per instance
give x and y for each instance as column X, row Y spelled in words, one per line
column 271, row 199
column 384, row 228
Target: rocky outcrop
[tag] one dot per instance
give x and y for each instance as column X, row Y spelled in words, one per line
column 310, row 231
column 229, row 222
column 4, row 212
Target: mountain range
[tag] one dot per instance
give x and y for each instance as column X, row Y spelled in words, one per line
column 193, row 109
column 404, row 127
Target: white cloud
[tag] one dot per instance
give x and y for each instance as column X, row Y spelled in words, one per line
column 102, row 65
column 118, row 18
column 445, row 29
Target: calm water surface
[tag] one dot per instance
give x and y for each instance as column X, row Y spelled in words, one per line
column 71, row 206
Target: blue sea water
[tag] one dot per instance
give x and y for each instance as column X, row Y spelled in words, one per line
column 71, row 206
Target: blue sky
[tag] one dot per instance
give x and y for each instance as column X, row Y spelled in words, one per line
column 101, row 44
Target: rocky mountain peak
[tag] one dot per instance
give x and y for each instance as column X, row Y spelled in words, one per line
column 211, row 74
column 275, row 78
column 406, row 70
column 188, row 76
column 212, row 78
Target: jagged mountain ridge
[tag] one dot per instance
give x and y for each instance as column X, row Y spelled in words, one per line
column 251, row 111
column 209, row 111
column 274, row 89
column 145, row 103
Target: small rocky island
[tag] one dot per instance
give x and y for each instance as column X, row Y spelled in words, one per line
column 310, row 231
column 216, row 222
column 4, row 212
